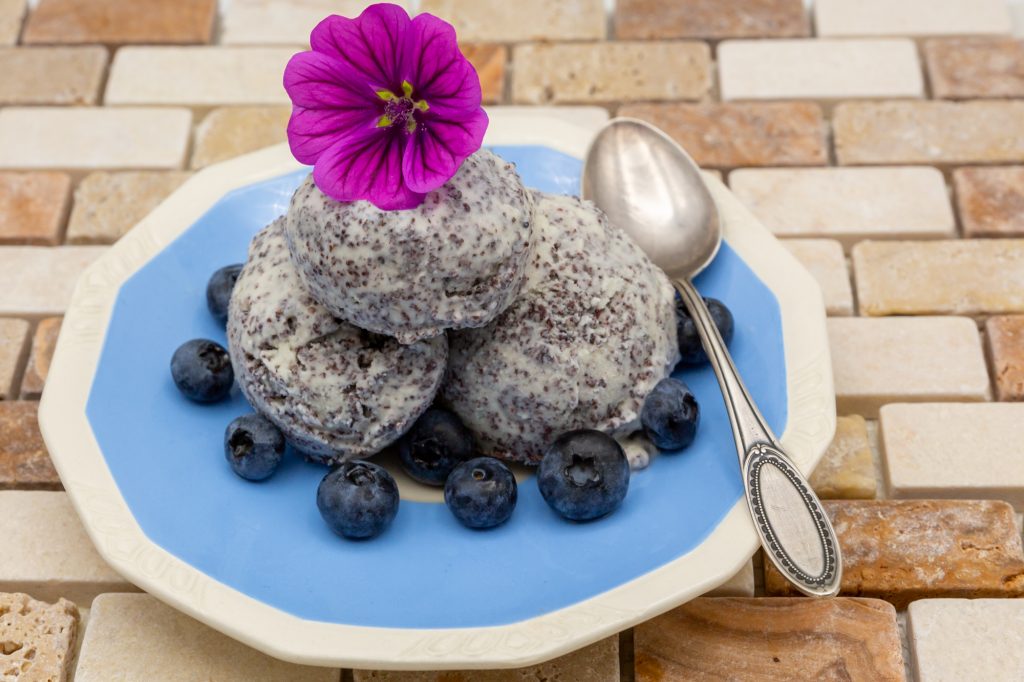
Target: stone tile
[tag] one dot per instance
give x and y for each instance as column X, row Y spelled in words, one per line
column 51, row 75
column 818, row 69
column 905, row 359
column 24, row 461
column 929, row 132
column 93, row 138
column 610, row 72
column 960, row 68
column 37, row 280
column 11, row 14
column 38, row 639
column 966, row 639
column 904, row 550
column 740, row 585
column 990, row 201
column 117, row 22
column 198, row 76
column 13, row 342
column 1005, row 334
column 951, row 450
column 732, row 135
column 596, row 663
column 771, row 639
column 959, row 277
column 33, row 207
column 169, row 646
column 910, row 17
column 653, row 19
column 497, row 21
column 232, row 131
column 44, row 342
column 107, row 205
column 489, row 60
column 283, row 22
column 824, row 259
column 848, row 204
column 847, row 471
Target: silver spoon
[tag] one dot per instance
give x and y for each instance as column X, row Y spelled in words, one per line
column 653, row 190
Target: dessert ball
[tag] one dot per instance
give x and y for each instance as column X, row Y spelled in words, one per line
column 589, row 336
column 336, row 391
column 455, row 261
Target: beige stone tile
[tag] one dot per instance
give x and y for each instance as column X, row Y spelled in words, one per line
column 848, row 204
column 119, row 22
column 929, row 132
column 46, row 551
column 910, row 17
column 498, row 21
column 33, row 207
column 36, row 280
column 283, row 22
column 11, row 14
column 137, row 637
column 654, row 19
column 847, row 471
column 990, row 201
column 824, row 259
column 740, row 585
column 818, row 69
column 13, row 346
column 93, row 138
column 51, row 75
column 733, row 135
column 37, row 640
column 107, row 205
column 24, row 461
column 489, row 61
column 44, row 342
column 596, row 663
column 905, row 359
column 198, row 76
column 966, row 639
column 960, row 68
column 232, row 131
column 1005, row 335
column 610, row 72
column 959, row 277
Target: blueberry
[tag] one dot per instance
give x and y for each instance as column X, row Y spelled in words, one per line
column 218, row 290
column 253, row 447
column 435, row 444
column 670, row 415
column 358, row 499
column 584, row 475
column 690, row 348
column 481, row 493
column 201, row 370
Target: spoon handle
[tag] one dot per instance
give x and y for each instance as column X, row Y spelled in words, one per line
column 794, row 529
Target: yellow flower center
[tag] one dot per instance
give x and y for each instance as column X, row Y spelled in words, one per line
column 399, row 110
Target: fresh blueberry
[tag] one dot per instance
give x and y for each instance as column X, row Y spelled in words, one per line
column 253, row 447
column 435, row 444
column 218, row 290
column 584, row 475
column 690, row 349
column 481, row 493
column 670, row 415
column 358, row 499
column 201, row 370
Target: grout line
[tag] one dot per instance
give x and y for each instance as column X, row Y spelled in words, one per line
column 627, row 656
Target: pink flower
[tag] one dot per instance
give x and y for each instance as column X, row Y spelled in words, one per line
column 385, row 107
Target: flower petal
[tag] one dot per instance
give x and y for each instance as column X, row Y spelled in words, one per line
column 372, row 44
column 439, row 71
column 366, row 164
column 311, row 131
column 434, row 153
column 314, row 81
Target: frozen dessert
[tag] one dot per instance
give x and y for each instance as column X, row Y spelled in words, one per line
column 592, row 331
column 337, row 392
column 456, row 261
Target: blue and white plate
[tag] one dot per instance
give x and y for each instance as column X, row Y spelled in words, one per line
column 146, row 471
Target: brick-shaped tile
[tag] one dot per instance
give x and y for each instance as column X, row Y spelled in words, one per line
column 33, row 207
column 961, row 68
column 498, row 21
column 36, row 280
column 283, row 22
column 966, row 639
column 117, row 22
column 824, row 259
column 489, row 61
column 38, row 638
column 24, row 461
column 13, row 343
column 44, row 342
column 847, row 470
column 1005, row 334
column 51, row 75
column 107, row 205
column 658, row 19
column 11, row 14
column 232, row 131
column 990, row 201
column 911, row 17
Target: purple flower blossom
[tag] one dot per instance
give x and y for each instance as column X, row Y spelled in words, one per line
column 385, row 107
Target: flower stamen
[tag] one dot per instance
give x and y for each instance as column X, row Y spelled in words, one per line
column 399, row 110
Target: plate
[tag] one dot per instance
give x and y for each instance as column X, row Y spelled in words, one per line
column 145, row 469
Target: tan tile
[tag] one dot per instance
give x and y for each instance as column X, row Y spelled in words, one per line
column 37, row 640
column 283, row 22
column 967, row 639
column 33, row 207
column 910, row 17
column 498, row 21
column 904, row 550
column 596, row 663
column 771, row 639
column 44, row 341
column 905, row 359
column 847, row 471
column 960, row 68
column 11, row 14
column 1005, row 334
column 647, row 19
column 13, row 342
column 732, row 135
column 929, row 132
column 990, row 201
column 37, row 280
column 489, row 61
column 24, row 461
column 959, row 277
column 232, row 131
column 824, row 259
column 119, row 22
column 610, row 72
column 51, row 75
column 107, row 205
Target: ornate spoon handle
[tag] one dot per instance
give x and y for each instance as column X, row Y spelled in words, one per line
column 795, row 531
